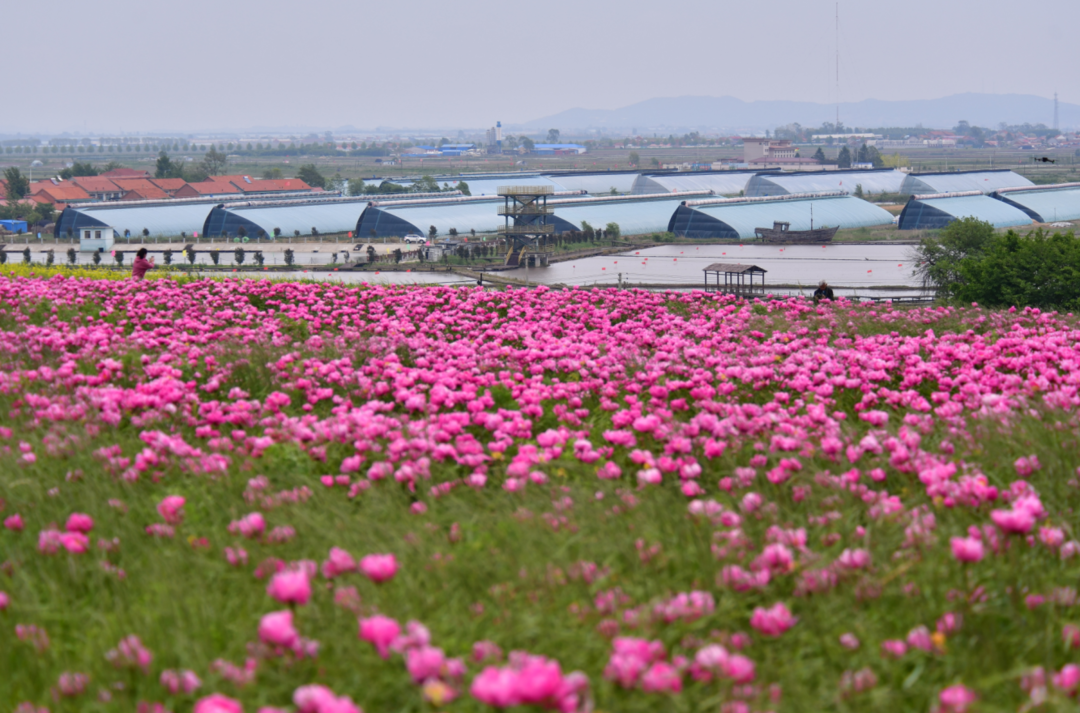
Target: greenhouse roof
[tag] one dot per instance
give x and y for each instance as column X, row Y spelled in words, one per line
column 872, row 181
column 740, row 219
column 722, row 183
column 634, row 217
column 160, row 219
column 935, row 213
column 1045, row 204
column 982, row 181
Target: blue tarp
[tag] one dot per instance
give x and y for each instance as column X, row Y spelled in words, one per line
column 13, row 225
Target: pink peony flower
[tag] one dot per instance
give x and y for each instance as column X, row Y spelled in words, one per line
column 15, row 522
column 849, row 641
column 893, row 648
column 217, row 703
column 424, row 663
column 956, row 699
column 276, row 629
column 75, row 542
column 338, row 563
column 967, row 549
column 1068, row 679
column 773, row 621
column 661, row 678
column 78, row 522
column 380, row 631
column 854, row 559
column 1019, row 521
column 5, row 601
column 290, row 587
column 170, row 509
column 379, row 568
column 496, row 687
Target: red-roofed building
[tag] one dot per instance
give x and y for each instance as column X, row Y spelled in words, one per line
column 126, row 173
column 142, row 186
column 169, row 185
column 99, row 188
column 206, row 188
column 292, row 184
column 65, row 192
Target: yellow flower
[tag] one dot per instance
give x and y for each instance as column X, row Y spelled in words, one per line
column 496, row 455
column 939, row 641
column 438, row 692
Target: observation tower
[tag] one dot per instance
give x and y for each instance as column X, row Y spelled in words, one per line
column 525, row 209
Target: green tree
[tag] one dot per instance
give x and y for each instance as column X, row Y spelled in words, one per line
column 612, row 230
column 311, row 176
column 355, row 187
column 553, row 136
column 18, row 185
column 527, row 143
column 858, row 190
column 844, row 159
column 214, row 162
column 938, row 258
column 426, row 184
column 655, row 162
column 819, row 155
column 273, row 173
column 635, row 159
column 464, row 188
column 433, row 233
column 164, row 167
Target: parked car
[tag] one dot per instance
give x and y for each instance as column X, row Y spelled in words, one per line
column 414, row 238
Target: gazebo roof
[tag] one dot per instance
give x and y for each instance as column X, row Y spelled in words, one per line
column 733, row 268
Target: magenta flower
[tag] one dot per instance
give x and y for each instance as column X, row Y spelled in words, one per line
column 380, row 631
column 956, row 699
column 967, row 549
column 14, row 522
column 893, row 648
column 217, row 703
column 1068, row 679
column 338, row 563
column 739, row 668
column 424, row 662
column 379, row 568
column 170, row 508
column 849, row 641
column 5, row 601
column 661, row 678
column 276, row 629
column 773, row 621
column 919, row 638
column 496, row 687
column 290, row 587
column 75, row 542
column 78, row 522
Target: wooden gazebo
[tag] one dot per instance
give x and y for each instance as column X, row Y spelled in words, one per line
column 738, row 278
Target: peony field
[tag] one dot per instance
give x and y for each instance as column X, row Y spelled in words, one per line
column 244, row 495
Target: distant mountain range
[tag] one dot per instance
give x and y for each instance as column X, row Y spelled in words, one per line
column 728, row 114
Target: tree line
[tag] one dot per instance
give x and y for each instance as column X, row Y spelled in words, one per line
column 968, row 261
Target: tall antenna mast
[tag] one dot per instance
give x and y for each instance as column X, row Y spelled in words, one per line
column 1056, row 127
column 838, row 66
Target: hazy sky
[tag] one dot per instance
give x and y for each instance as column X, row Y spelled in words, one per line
column 131, row 65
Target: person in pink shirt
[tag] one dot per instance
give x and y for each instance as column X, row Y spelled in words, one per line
column 141, row 266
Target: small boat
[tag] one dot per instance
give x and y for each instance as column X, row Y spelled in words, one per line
column 781, row 233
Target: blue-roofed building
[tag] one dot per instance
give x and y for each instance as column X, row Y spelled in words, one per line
column 880, row 180
column 962, row 181
column 1044, row 204
column 740, row 217
column 935, row 211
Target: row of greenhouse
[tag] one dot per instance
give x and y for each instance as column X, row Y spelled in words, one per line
column 694, row 211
